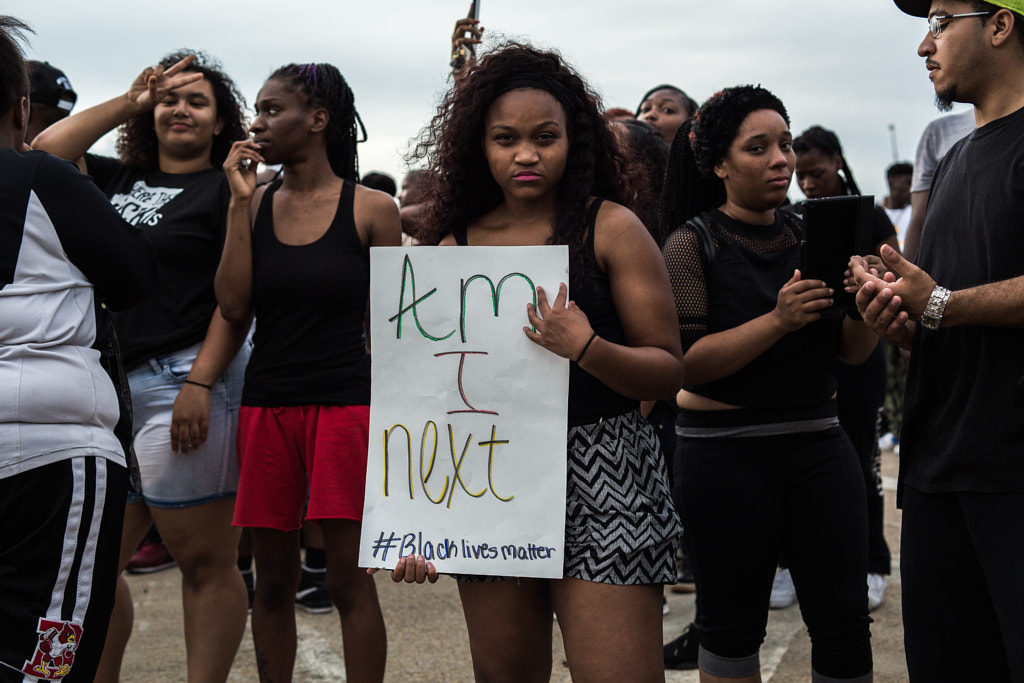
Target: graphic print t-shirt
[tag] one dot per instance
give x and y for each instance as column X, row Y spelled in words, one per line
column 142, row 205
column 184, row 217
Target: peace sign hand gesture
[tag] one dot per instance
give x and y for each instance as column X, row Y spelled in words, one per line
column 153, row 84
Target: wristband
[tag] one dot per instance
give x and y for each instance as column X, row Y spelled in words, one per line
column 198, row 384
column 585, row 347
column 932, row 315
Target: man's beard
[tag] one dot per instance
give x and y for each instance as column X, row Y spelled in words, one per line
column 944, row 99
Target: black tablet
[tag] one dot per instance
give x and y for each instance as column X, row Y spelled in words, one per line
column 836, row 228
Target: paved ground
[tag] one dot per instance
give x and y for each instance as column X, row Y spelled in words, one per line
column 427, row 636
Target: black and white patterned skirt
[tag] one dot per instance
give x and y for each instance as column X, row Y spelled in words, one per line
column 620, row 524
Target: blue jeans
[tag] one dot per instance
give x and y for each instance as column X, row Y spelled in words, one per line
column 173, row 480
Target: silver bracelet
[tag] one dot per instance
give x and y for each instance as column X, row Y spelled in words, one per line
column 932, row 315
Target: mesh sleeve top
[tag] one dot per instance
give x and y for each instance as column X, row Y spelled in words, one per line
column 738, row 282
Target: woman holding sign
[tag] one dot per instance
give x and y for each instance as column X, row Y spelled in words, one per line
column 296, row 254
column 765, row 466
column 521, row 156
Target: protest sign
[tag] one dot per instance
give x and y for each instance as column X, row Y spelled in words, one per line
column 468, row 416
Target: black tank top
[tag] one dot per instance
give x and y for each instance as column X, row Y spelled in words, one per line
column 589, row 398
column 310, row 302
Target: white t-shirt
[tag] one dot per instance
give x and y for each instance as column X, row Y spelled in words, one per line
column 900, row 219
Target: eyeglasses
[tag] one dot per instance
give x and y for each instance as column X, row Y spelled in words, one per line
column 937, row 22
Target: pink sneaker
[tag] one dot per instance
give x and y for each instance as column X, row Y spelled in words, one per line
column 151, row 557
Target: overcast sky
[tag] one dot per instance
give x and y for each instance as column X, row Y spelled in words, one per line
column 851, row 67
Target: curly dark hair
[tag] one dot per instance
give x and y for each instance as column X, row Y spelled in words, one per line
column 691, row 185
column 14, row 83
column 136, row 138
column 826, row 142
column 323, row 86
column 461, row 188
column 647, row 157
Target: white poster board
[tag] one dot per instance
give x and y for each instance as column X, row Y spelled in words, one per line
column 468, row 416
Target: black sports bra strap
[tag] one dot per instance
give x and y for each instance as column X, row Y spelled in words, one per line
column 460, row 236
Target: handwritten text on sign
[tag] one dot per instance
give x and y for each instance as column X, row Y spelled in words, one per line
column 468, row 417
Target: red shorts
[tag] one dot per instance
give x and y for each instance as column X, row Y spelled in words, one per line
column 285, row 453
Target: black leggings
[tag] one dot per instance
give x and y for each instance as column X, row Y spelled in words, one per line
column 747, row 499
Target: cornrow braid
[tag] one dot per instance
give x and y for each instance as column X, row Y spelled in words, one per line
column 826, row 142
column 686, row 192
column 324, row 86
column 691, row 186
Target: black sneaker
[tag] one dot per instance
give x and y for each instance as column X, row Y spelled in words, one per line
column 681, row 653
column 312, row 595
column 250, row 585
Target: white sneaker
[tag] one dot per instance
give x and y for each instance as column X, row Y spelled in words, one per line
column 887, row 441
column 783, row 590
column 877, row 583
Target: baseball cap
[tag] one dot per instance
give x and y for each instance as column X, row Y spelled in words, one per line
column 50, row 86
column 920, row 8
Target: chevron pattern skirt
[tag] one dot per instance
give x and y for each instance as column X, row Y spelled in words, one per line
column 620, row 524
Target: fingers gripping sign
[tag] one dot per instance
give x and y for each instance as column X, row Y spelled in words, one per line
column 801, row 301
column 467, row 34
column 560, row 327
column 465, row 38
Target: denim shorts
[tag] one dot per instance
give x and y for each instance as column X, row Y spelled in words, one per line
column 173, row 480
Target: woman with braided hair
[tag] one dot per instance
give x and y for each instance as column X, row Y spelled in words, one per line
column 765, row 466
column 297, row 255
column 521, row 156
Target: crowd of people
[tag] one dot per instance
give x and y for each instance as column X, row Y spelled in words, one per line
column 183, row 349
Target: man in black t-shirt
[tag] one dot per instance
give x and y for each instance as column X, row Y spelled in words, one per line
column 962, row 446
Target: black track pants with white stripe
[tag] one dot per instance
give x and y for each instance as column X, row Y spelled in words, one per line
column 59, row 541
